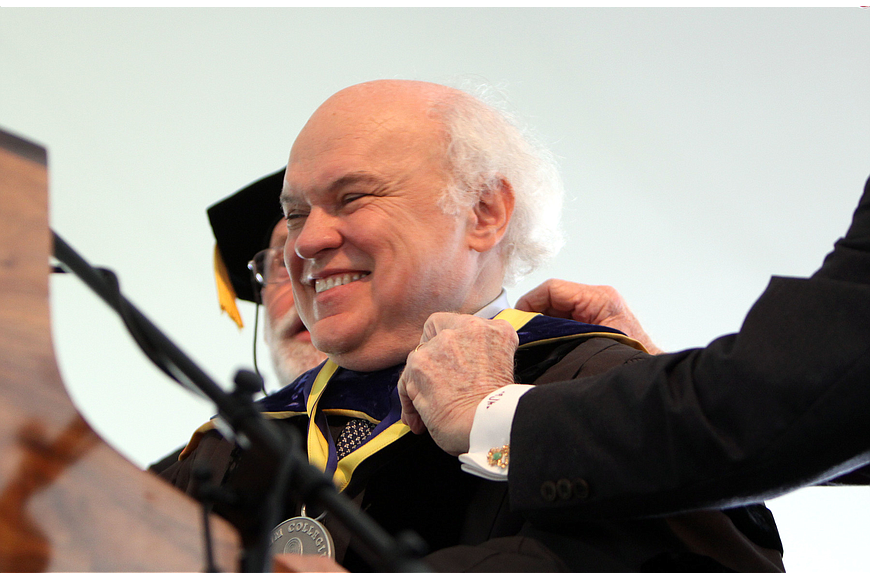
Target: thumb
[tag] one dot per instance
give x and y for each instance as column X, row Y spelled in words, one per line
column 410, row 416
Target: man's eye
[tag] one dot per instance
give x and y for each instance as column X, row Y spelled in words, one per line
column 295, row 219
column 351, row 197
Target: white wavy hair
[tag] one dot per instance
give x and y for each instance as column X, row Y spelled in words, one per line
column 486, row 144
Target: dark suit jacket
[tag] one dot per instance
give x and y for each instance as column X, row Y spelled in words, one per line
column 781, row 404
column 744, row 539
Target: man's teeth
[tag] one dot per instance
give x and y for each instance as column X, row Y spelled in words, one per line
column 333, row 281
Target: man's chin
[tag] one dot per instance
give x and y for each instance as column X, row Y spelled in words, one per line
column 363, row 348
column 334, row 341
column 368, row 359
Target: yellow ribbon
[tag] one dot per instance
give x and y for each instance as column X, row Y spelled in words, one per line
column 226, row 294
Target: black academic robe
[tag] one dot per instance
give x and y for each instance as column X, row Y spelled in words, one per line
column 468, row 523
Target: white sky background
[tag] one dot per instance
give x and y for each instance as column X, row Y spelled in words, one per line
column 703, row 150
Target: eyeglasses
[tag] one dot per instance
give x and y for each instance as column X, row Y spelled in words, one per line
column 268, row 266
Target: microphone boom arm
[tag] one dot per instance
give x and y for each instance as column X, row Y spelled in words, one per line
column 247, row 427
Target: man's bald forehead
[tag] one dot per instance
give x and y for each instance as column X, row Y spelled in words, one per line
column 395, row 90
column 381, row 100
column 373, row 113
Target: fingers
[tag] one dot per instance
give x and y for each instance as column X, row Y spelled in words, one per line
column 537, row 299
column 584, row 303
column 506, row 329
column 534, row 299
column 441, row 321
column 410, row 416
column 557, row 298
column 580, row 302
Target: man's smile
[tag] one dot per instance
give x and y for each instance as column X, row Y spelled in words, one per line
column 322, row 284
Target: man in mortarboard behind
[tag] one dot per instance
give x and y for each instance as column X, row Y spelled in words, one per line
column 403, row 199
column 250, row 233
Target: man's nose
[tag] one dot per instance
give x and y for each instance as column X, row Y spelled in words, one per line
column 318, row 233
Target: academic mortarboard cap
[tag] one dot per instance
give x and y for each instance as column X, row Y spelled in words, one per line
column 242, row 225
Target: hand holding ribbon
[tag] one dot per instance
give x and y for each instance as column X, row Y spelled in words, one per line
column 461, row 359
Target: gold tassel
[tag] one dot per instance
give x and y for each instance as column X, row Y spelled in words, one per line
column 226, row 294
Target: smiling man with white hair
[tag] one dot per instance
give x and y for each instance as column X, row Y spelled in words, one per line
column 404, row 199
column 430, row 211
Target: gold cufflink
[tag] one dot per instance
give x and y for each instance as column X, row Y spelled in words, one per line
column 499, row 456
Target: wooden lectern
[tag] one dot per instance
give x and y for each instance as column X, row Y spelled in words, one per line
column 68, row 502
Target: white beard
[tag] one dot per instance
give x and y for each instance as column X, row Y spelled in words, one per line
column 290, row 357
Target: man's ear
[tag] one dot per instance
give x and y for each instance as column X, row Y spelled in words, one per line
column 490, row 216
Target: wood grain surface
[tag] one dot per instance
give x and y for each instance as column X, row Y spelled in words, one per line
column 68, row 502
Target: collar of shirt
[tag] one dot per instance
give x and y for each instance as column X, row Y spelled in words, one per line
column 494, row 307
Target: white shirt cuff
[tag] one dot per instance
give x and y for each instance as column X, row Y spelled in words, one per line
column 491, row 429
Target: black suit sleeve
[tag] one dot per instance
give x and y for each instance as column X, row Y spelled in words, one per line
column 778, row 405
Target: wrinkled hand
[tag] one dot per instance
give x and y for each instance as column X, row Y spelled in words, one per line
column 300, row 563
column 460, row 360
column 590, row 304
